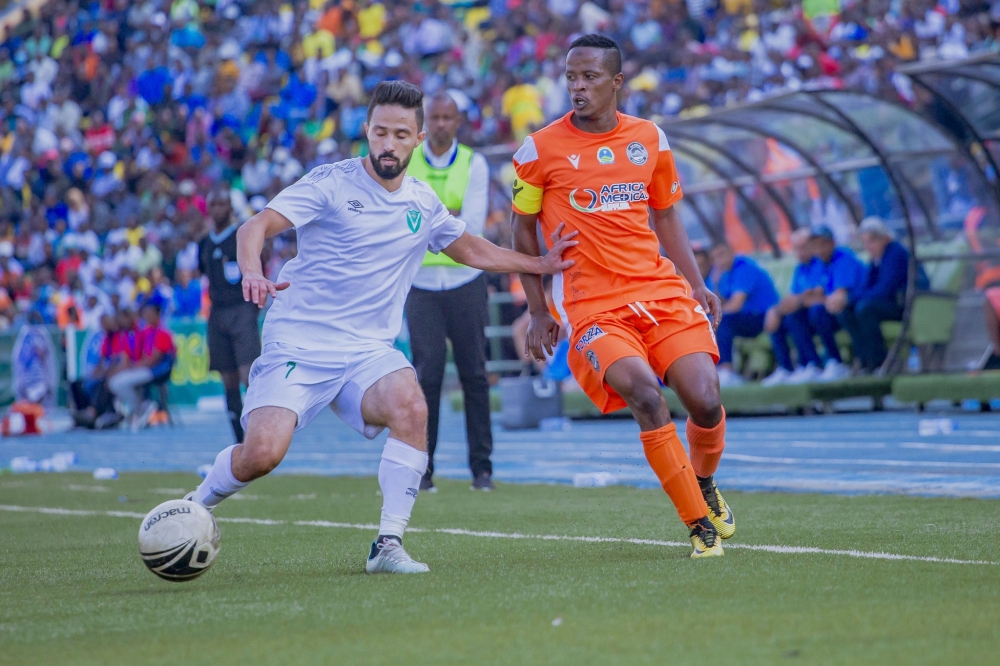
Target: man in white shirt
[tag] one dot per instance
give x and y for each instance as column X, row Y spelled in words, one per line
column 363, row 227
column 448, row 301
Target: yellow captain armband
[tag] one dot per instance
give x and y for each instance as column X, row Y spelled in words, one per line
column 526, row 199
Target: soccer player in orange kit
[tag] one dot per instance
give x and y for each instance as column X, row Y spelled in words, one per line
column 631, row 319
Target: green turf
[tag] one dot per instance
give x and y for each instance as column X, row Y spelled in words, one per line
column 73, row 591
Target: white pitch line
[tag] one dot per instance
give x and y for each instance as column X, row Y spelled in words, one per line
column 863, row 462
column 785, row 550
column 951, row 448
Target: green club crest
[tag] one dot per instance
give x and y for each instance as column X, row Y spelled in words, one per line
column 413, row 220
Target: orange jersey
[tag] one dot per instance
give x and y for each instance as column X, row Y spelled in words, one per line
column 602, row 185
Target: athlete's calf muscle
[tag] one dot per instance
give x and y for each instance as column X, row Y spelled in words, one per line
column 269, row 433
column 396, row 402
column 695, row 381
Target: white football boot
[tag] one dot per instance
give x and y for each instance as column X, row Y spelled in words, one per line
column 389, row 557
column 190, row 497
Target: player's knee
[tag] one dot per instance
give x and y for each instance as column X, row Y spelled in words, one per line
column 256, row 461
column 410, row 412
column 647, row 402
column 706, row 412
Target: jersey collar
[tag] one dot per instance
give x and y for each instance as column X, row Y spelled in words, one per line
column 568, row 122
column 226, row 233
column 444, row 161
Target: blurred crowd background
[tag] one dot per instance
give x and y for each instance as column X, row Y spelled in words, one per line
column 116, row 117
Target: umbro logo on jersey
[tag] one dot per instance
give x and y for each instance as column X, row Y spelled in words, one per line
column 574, row 160
column 355, row 206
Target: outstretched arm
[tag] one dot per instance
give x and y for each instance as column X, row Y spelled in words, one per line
column 249, row 244
column 479, row 253
column 674, row 239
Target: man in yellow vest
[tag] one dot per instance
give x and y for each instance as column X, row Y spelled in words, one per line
column 448, row 300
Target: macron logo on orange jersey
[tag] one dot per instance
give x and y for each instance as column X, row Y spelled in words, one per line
column 574, row 160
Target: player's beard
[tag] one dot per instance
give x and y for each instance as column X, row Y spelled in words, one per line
column 389, row 173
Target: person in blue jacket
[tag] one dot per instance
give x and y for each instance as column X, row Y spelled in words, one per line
column 881, row 296
column 833, row 279
column 780, row 320
column 747, row 292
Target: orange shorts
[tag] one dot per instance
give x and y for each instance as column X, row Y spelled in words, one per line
column 993, row 296
column 659, row 331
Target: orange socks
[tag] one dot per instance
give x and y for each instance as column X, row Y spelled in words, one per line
column 669, row 461
column 706, row 446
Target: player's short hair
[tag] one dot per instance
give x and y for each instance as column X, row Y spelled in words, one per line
column 219, row 190
column 398, row 93
column 612, row 52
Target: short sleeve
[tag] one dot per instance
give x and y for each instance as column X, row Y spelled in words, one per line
column 798, row 280
column 665, row 186
column 529, row 180
column 163, row 342
column 445, row 228
column 741, row 279
column 303, row 201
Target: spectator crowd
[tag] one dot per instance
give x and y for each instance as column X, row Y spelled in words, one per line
column 116, row 117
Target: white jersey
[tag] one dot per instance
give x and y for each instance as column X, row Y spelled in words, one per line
column 359, row 248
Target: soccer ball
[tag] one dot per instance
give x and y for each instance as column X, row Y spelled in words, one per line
column 178, row 540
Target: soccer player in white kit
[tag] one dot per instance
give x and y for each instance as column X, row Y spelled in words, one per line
column 363, row 228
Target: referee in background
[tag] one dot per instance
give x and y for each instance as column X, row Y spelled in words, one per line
column 449, row 300
column 233, row 333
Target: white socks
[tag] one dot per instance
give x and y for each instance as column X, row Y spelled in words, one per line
column 220, row 482
column 399, row 476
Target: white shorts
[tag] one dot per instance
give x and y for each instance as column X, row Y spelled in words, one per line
column 305, row 382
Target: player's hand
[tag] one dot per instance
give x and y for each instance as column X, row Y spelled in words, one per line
column 256, row 288
column 553, row 262
column 836, row 302
column 542, row 337
column 772, row 320
column 711, row 303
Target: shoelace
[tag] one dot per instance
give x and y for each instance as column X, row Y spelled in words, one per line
column 394, row 551
column 707, row 536
column 712, row 499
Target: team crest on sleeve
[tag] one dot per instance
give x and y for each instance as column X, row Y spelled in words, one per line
column 605, row 155
column 637, row 153
column 413, row 220
column 673, row 188
column 592, row 334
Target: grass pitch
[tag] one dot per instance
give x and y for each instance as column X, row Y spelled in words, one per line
column 73, row 590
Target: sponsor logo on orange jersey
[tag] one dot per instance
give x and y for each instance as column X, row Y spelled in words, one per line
column 619, row 196
column 592, row 334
